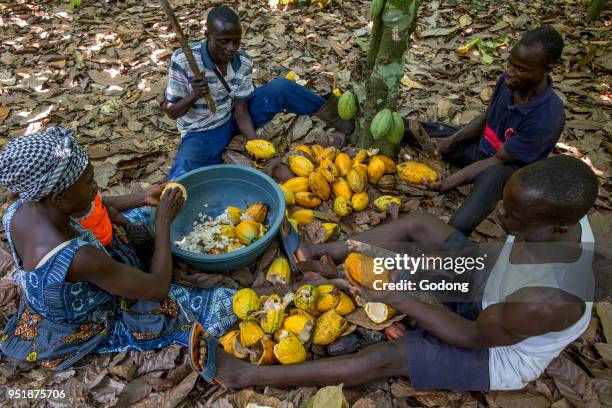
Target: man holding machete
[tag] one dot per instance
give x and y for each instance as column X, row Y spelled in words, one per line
column 240, row 108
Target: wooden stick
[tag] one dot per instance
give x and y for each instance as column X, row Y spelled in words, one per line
column 185, row 46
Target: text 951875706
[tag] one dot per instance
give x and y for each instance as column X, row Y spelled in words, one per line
column 35, row 394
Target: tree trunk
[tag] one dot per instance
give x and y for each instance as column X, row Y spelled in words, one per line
column 595, row 10
column 378, row 86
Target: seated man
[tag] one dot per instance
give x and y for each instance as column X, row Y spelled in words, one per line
column 526, row 318
column 522, row 124
column 240, row 107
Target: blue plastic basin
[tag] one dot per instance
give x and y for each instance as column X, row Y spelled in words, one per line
column 220, row 186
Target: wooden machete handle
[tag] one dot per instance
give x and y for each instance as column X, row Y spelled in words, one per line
column 185, row 46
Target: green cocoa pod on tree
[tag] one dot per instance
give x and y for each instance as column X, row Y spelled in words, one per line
column 381, row 124
column 376, row 8
column 396, row 134
column 347, row 106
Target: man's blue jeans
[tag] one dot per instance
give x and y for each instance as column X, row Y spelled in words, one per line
column 199, row 149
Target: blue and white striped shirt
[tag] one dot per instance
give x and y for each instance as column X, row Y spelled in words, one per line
column 238, row 77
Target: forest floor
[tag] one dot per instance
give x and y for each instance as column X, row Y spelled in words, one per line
column 102, row 69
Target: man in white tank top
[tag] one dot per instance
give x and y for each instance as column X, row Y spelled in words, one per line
column 535, row 300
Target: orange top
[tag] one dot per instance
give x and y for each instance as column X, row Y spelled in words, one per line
column 98, row 222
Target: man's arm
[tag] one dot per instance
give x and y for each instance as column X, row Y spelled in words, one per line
column 471, row 131
column 243, row 119
column 179, row 108
column 469, row 173
column 90, row 264
column 526, row 313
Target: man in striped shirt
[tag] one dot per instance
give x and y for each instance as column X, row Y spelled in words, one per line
column 240, row 107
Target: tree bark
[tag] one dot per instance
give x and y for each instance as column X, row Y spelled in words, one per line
column 379, row 87
column 595, row 10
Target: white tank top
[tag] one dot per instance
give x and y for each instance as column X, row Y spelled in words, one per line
column 512, row 367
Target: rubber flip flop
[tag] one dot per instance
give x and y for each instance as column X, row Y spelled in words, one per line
column 210, row 371
column 290, row 241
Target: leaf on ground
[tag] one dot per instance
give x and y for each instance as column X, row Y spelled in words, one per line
column 108, row 77
column 314, row 232
column 489, row 228
column 439, row 32
column 245, row 397
column 410, row 84
column 517, row 399
column 329, row 397
column 360, row 318
column 4, row 112
column 604, row 311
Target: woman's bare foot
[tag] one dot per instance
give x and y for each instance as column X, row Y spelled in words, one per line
column 231, row 372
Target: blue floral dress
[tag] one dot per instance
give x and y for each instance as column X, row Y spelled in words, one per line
column 59, row 322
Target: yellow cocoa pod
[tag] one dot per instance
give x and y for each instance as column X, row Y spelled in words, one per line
column 376, row 169
column 279, row 271
column 174, row 184
column 360, row 157
column 300, row 325
column 343, row 164
column 300, row 165
column 345, row 305
column 360, row 268
column 260, row 149
column 303, row 217
column 250, row 333
column 383, row 202
column 248, row 231
column 294, row 224
column 264, row 352
column 304, row 148
column 228, row 231
column 234, row 214
column 414, row 172
column 228, row 340
column 244, row 303
column 379, row 312
column 328, row 298
column 331, row 230
column 319, row 185
column 307, row 199
column 341, row 188
column 329, row 170
column 359, row 201
column 289, row 349
column 329, row 326
column 273, row 313
column 289, row 195
column 357, row 178
column 342, row 206
column 297, row 184
column 316, row 150
column 256, row 212
column 305, row 297
column 389, row 163
column 328, row 153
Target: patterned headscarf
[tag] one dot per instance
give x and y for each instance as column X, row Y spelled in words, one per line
column 40, row 164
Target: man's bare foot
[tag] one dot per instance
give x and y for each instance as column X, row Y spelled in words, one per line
column 305, row 251
column 231, row 372
column 6, row 262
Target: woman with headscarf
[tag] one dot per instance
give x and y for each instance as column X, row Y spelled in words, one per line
column 75, row 298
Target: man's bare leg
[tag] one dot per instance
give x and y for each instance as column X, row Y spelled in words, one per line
column 379, row 361
column 418, row 226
